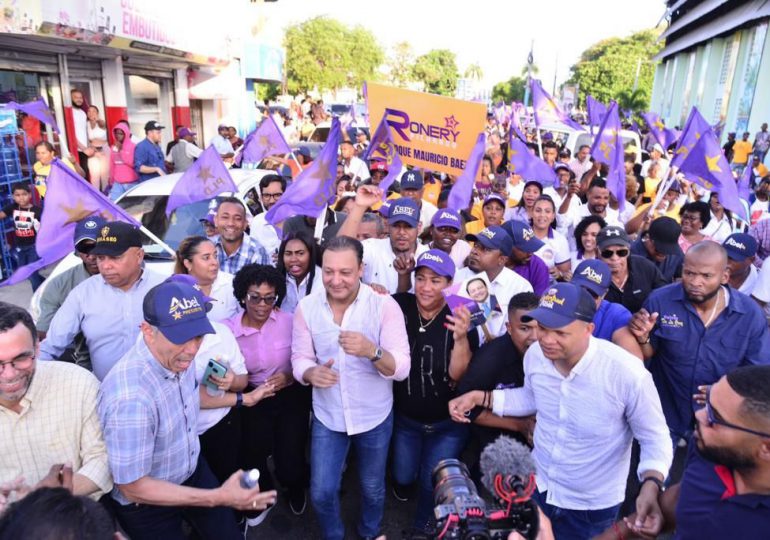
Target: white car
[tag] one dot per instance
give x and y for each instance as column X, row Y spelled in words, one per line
column 573, row 139
column 147, row 204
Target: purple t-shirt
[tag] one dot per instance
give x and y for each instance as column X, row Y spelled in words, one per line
column 536, row 272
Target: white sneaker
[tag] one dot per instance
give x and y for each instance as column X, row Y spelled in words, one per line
column 255, row 521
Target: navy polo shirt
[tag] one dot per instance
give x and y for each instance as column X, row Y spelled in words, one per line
column 609, row 317
column 709, row 508
column 687, row 354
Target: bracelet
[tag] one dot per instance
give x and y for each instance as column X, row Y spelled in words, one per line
column 238, row 400
column 618, row 534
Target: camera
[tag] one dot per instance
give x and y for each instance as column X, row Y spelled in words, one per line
column 461, row 514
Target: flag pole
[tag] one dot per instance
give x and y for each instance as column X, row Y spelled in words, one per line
column 319, row 225
column 294, row 157
column 157, row 240
column 663, row 188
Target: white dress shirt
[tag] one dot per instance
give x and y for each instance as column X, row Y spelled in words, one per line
column 427, row 211
column 357, row 169
column 363, row 397
column 586, row 422
column 224, row 304
column 264, row 233
column 566, row 223
column 378, row 262
column 80, row 121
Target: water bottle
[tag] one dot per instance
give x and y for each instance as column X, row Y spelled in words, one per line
column 250, row 479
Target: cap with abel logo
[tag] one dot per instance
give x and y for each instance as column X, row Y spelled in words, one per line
column 438, row 261
column 740, row 246
column 178, row 310
column 594, row 275
column 563, row 304
column 404, row 210
column 494, row 237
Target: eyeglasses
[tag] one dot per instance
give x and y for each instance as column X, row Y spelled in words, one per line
column 690, row 217
column 256, row 299
column 608, row 253
column 18, row 364
column 272, row 195
column 714, row 418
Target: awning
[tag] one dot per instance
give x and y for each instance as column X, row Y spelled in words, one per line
column 751, row 11
column 694, row 14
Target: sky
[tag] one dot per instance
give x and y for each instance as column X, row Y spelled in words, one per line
column 496, row 34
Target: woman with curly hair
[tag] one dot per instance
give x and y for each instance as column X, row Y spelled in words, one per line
column 277, row 425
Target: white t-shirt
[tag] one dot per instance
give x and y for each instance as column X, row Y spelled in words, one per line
column 223, row 348
column 81, row 125
column 357, row 168
column 264, row 233
column 224, row 304
column 427, row 211
column 556, row 249
column 378, row 262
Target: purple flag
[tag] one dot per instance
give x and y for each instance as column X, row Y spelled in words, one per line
column 516, row 110
column 462, row 190
column 38, row 108
column 546, row 109
column 596, row 111
column 608, row 148
column 695, row 127
column 347, row 119
column 705, row 164
column 744, row 182
column 312, row 190
column 68, row 199
column 665, row 136
column 382, row 148
column 523, row 162
column 266, row 140
column 207, row 178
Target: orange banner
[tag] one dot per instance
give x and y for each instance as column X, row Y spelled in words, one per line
column 432, row 132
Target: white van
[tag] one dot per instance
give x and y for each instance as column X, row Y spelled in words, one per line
column 572, row 139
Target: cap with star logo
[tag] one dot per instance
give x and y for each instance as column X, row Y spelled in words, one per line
column 115, row 237
column 178, row 310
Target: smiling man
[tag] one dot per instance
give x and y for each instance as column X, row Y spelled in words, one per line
column 445, row 230
column 106, row 308
column 235, row 248
column 148, row 407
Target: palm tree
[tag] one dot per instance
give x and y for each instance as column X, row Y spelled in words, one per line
column 474, row 71
column 525, row 70
column 633, row 100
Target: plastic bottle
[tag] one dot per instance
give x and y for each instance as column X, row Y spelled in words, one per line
column 250, row 479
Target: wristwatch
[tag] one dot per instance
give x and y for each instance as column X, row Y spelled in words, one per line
column 645, row 342
column 659, row 483
column 377, row 355
column 238, row 400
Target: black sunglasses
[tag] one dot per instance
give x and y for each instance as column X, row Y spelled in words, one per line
column 715, row 418
column 608, row 253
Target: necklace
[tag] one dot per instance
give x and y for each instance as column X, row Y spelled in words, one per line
column 713, row 310
column 427, row 324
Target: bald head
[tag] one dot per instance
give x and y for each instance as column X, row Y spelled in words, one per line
column 707, row 252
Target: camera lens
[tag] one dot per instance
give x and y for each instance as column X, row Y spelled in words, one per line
column 451, row 480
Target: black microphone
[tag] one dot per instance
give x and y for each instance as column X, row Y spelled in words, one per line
column 508, row 461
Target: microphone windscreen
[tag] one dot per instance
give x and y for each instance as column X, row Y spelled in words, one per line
column 505, row 457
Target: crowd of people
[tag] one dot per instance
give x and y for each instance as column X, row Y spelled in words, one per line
column 627, row 345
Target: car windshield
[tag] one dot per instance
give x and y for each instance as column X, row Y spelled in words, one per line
column 587, row 139
column 321, row 134
column 150, row 211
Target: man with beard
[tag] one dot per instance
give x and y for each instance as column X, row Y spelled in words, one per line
column 380, row 253
column 597, row 204
column 271, row 188
column 725, row 490
column 696, row 331
column 235, row 248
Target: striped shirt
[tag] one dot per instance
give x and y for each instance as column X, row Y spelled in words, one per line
column 250, row 251
column 149, row 416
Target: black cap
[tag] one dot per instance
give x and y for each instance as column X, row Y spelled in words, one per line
column 153, row 124
column 612, row 235
column 664, row 233
column 115, row 237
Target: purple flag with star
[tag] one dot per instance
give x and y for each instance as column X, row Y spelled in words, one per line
column 596, row 111
column 38, row 108
column 312, row 190
column 523, row 162
column 266, row 140
column 382, row 148
column 462, row 190
column 663, row 135
column 608, row 148
column 705, row 164
column 516, row 110
column 694, row 128
column 68, row 199
column 546, row 109
column 207, row 178
column 744, row 182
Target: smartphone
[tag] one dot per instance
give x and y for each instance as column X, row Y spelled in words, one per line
column 216, row 369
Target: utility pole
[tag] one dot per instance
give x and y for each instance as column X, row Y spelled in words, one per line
column 555, row 71
column 638, row 69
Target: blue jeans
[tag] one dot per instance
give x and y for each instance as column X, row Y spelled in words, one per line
column 119, row 189
column 417, row 448
column 24, row 255
column 328, row 451
column 577, row 524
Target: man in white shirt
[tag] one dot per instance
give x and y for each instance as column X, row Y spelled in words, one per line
column 350, row 344
column 413, row 186
column 489, row 255
column 271, row 188
column 656, row 156
column 354, row 166
column 381, row 253
column 597, row 204
column 221, row 142
column 592, row 398
column 581, row 163
column 81, row 130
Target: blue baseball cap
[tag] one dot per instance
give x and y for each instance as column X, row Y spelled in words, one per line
column 412, row 180
column 385, row 208
column 447, row 218
column 404, row 210
column 88, row 228
column 438, row 261
column 740, row 246
column 523, row 236
column 562, row 304
column 178, row 310
column 494, row 237
column 593, row 275
column 187, row 279
column 494, row 197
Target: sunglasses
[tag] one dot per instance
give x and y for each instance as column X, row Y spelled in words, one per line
column 608, row 253
column 256, row 299
column 715, row 418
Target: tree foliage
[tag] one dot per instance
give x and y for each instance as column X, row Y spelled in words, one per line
column 323, row 53
column 474, row 71
column 400, row 64
column 608, row 68
column 437, row 70
column 510, row 90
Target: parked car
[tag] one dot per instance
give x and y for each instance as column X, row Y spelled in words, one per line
column 321, row 131
column 573, row 139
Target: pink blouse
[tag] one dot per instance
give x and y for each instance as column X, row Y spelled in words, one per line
column 267, row 350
